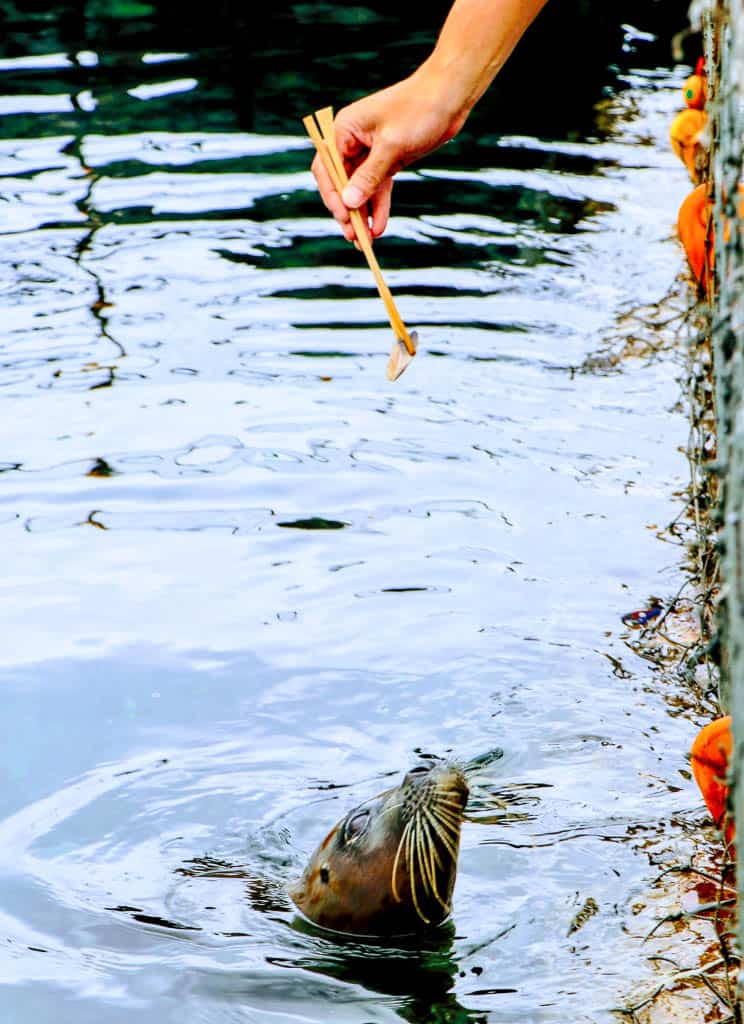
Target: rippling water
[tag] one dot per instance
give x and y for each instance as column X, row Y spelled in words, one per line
column 246, row 579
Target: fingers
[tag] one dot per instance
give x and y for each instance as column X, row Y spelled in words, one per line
column 380, row 208
column 372, row 175
column 370, row 183
column 331, row 198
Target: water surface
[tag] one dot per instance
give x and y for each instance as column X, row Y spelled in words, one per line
column 247, row 581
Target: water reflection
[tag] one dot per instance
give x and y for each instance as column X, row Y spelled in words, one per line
column 421, row 979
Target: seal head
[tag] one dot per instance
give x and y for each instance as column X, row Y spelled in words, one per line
column 389, row 866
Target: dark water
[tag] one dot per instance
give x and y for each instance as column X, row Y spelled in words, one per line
column 246, row 579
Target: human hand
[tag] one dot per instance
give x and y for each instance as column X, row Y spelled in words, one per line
column 377, row 136
column 381, row 133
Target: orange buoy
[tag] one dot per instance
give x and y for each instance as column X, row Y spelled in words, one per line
column 695, row 89
column 685, row 135
column 710, row 757
column 694, row 229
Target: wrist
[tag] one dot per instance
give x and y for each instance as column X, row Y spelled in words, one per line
column 447, row 89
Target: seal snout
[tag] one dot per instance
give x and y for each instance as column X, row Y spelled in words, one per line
column 425, row 783
column 452, row 779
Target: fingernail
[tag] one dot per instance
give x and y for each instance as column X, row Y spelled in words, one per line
column 352, row 197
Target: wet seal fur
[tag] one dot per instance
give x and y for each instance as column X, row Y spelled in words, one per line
column 389, row 866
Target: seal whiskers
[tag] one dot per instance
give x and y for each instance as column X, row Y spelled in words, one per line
column 428, row 824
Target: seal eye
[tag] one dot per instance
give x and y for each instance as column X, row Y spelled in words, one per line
column 325, row 875
column 356, row 826
column 420, row 769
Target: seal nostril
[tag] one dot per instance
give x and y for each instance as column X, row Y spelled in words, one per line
column 325, row 875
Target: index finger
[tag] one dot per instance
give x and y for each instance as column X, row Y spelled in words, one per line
column 331, row 199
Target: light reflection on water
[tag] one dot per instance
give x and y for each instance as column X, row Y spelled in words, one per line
column 246, row 578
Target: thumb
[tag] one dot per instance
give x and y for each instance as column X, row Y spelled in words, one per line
column 369, row 176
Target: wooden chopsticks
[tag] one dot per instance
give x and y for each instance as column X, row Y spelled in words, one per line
column 320, row 129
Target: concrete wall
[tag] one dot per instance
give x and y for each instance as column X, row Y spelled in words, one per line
column 723, row 22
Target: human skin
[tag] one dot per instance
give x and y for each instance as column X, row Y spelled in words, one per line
column 390, row 129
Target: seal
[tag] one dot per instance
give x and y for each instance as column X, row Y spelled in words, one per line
column 389, row 866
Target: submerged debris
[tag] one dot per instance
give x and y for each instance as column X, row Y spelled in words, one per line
column 589, row 909
column 644, row 615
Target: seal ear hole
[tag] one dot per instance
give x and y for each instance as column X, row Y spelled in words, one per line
column 325, row 875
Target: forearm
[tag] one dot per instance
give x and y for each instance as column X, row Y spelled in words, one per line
column 390, row 129
column 473, row 46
